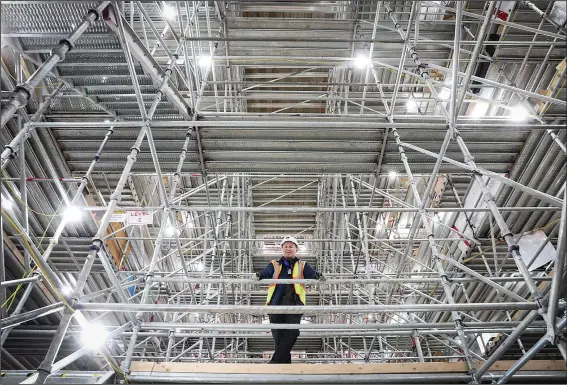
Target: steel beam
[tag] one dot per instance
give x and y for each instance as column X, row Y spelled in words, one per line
column 303, row 123
column 132, row 307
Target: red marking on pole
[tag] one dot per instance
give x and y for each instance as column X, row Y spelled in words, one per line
column 460, row 236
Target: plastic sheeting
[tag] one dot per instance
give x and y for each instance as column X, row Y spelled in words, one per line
column 530, row 244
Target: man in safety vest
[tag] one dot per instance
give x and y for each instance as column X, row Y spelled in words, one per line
column 288, row 267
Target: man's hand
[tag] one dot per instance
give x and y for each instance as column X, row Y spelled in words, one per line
column 321, row 278
column 256, row 277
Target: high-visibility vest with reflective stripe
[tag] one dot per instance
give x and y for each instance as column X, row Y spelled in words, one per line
column 297, row 273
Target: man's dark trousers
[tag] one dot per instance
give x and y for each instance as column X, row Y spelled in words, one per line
column 284, row 339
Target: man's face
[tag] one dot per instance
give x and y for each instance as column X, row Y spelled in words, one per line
column 289, row 250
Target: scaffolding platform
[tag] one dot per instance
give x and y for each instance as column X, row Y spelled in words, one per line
column 542, row 371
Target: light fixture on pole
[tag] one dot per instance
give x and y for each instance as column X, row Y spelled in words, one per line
column 72, row 214
column 518, row 114
column 205, row 61
column 93, row 336
column 171, row 230
column 361, row 61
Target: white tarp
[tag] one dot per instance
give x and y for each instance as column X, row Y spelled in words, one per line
column 474, row 198
column 530, row 244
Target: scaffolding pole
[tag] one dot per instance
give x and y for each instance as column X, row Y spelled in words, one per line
column 24, row 91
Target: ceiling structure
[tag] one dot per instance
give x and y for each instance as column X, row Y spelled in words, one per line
column 156, row 152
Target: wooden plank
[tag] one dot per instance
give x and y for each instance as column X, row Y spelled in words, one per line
column 391, row 368
column 180, row 367
column 142, row 366
column 556, row 78
column 531, row 365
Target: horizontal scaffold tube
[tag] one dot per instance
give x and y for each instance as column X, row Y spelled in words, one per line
column 132, row 307
column 230, row 327
column 297, row 209
column 289, row 124
column 385, row 280
column 19, row 281
column 322, row 327
column 382, row 378
column 261, row 333
column 31, row 315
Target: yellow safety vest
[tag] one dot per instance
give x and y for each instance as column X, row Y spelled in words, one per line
column 297, row 273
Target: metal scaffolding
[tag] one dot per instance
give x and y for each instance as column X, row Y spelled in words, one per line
column 156, row 152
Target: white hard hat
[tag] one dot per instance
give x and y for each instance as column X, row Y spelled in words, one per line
column 289, row 238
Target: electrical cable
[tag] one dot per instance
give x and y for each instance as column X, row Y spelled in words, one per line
column 35, row 258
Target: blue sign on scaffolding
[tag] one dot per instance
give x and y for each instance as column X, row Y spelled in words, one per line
column 131, row 289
